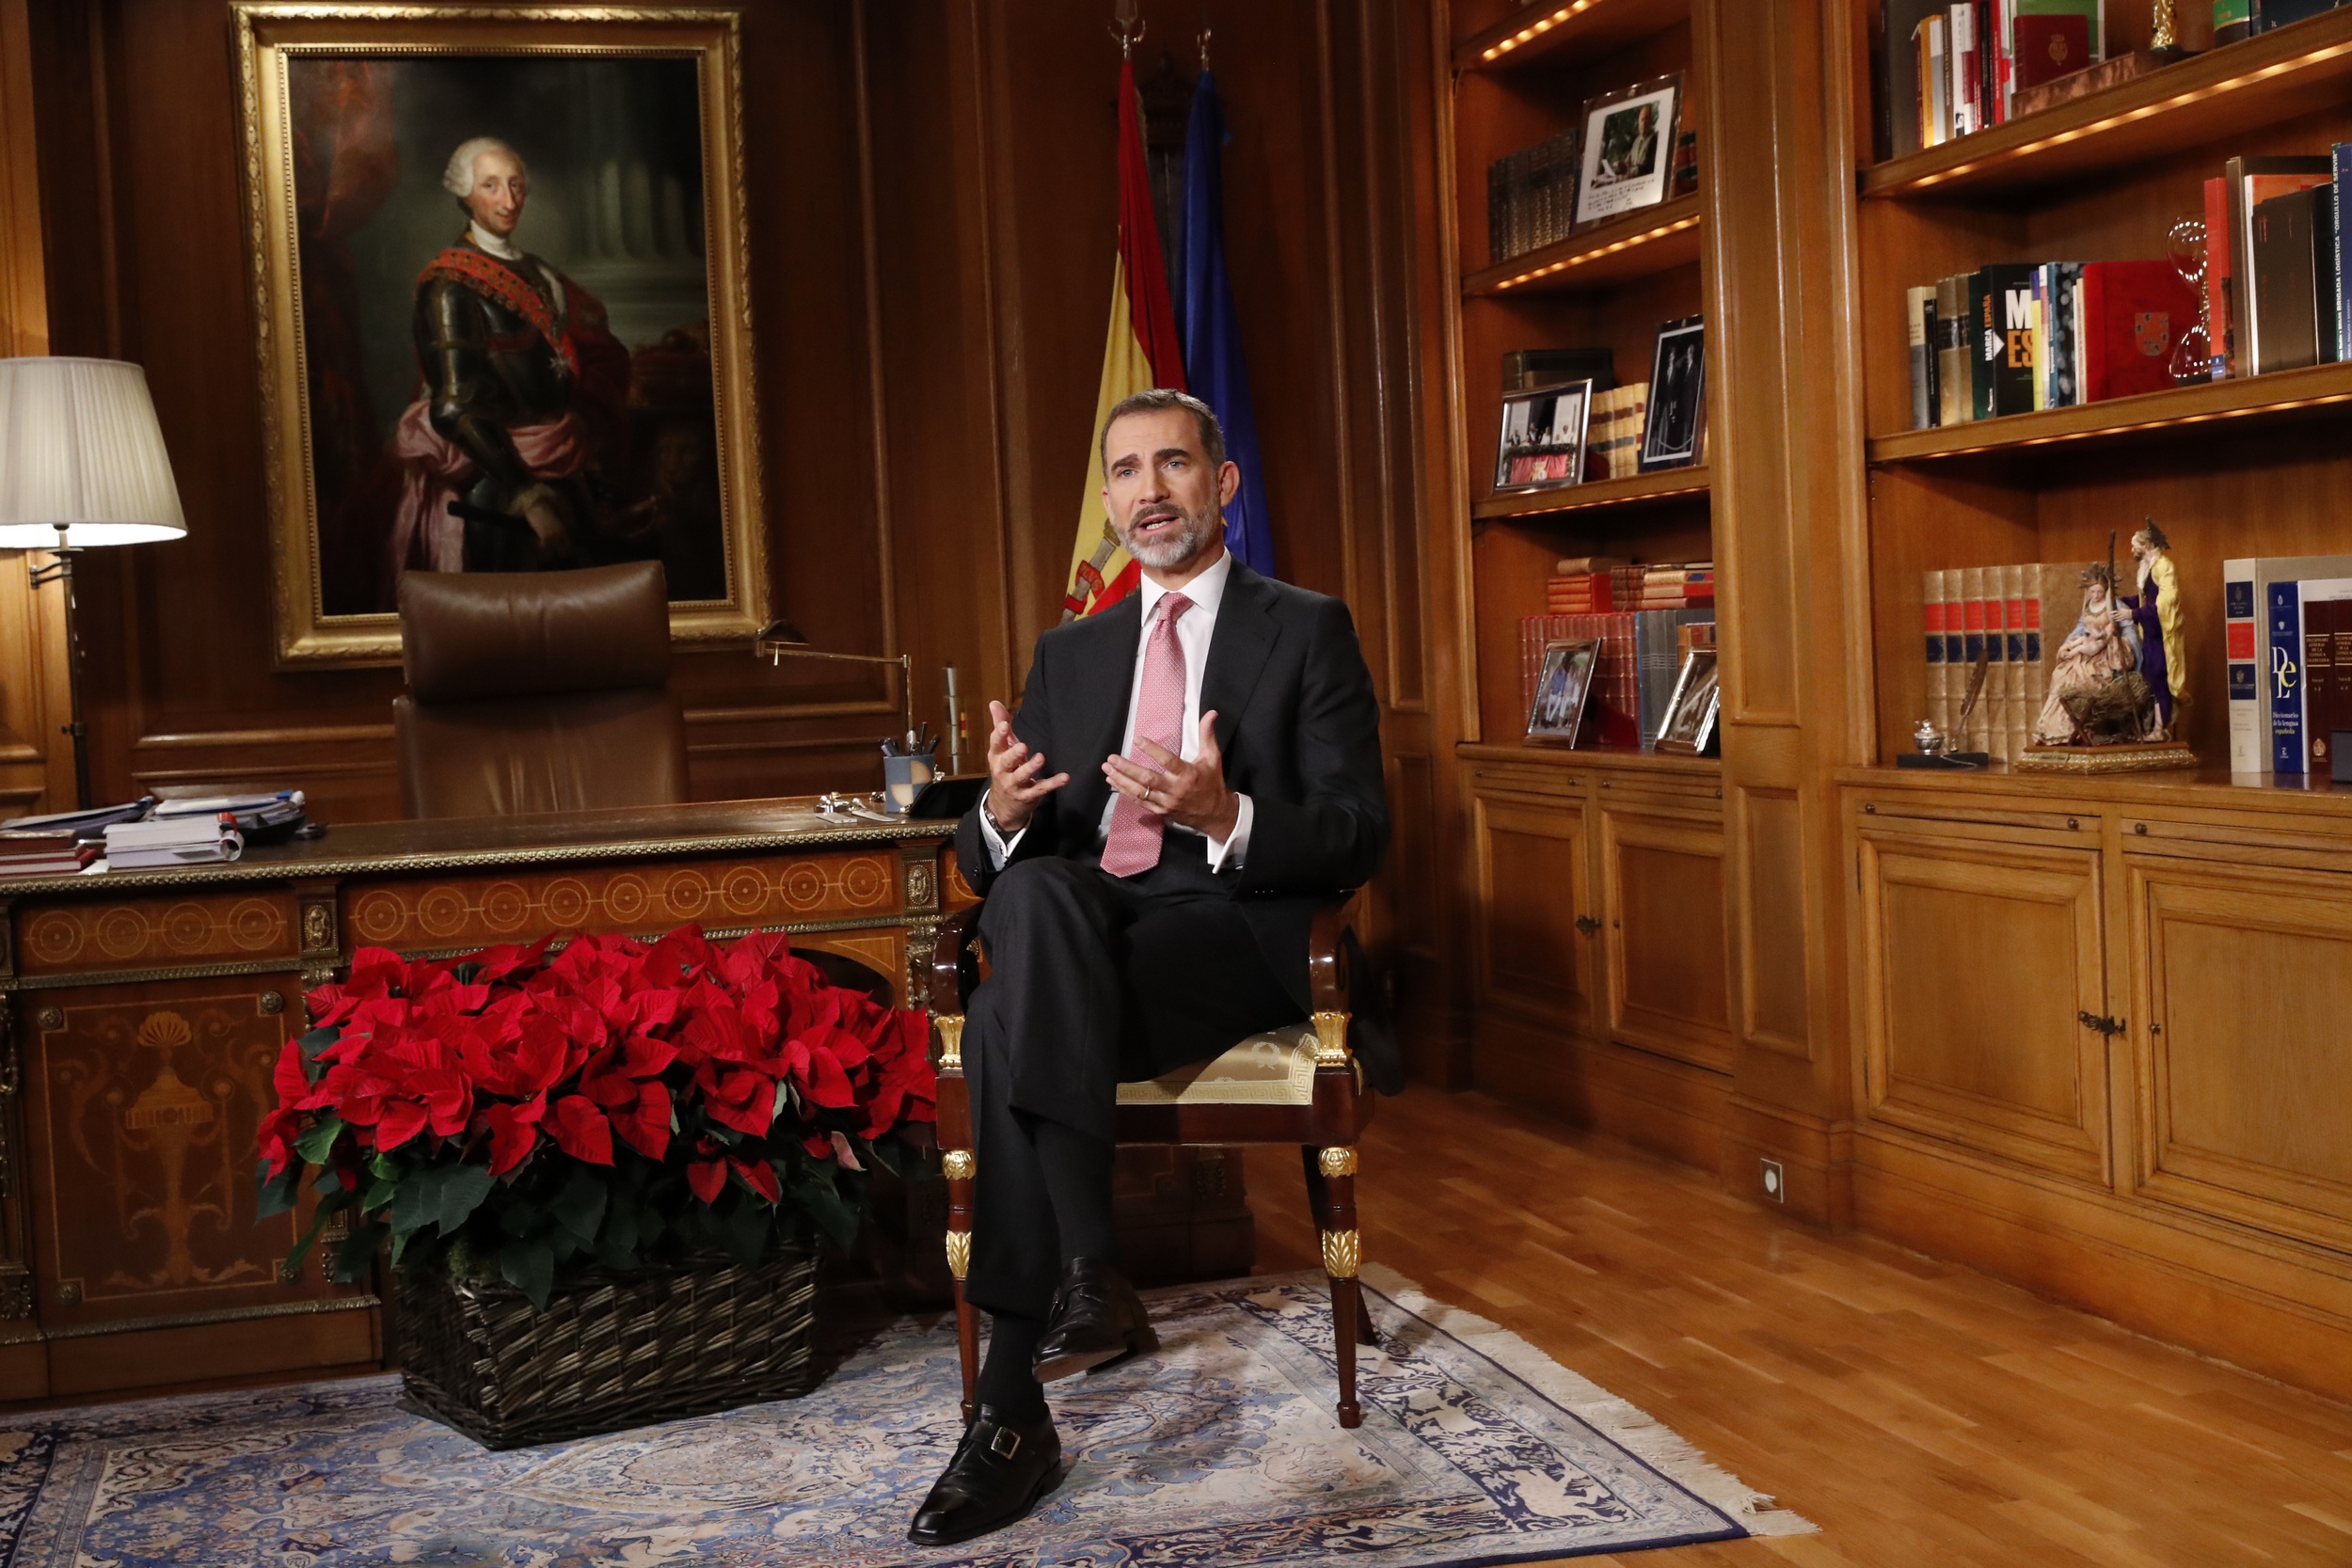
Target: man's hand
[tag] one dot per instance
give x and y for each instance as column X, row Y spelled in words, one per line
column 1189, row 794
column 1013, row 786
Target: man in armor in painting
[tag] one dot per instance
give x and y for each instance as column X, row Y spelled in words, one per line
column 524, row 411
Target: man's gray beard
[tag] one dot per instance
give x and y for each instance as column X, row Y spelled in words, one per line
column 1175, row 549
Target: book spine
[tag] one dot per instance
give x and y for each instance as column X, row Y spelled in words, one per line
column 1932, row 615
column 1960, row 47
column 2037, row 649
column 1983, row 347
column 2241, row 628
column 2282, row 615
column 2217, row 279
column 1920, row 305
column 2320, row 619
column 1927, row 42
column 2040, row 318
column 2013, row 646
column 1955, row 652
column 2341, row 191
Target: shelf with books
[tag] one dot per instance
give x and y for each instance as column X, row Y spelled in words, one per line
column 2277, row 397
column 1642, row 490
column 1638, row 245
column 2266, row 80
column 2177, row 788
column 1541, row 31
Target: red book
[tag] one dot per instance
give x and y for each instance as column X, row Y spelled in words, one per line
column 2049, row 47
column 2132, row 313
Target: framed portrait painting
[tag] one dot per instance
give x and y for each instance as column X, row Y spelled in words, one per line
column 1688, row 725
column 499, row 266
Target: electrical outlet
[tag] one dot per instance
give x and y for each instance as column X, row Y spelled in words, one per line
column 1774, row 1188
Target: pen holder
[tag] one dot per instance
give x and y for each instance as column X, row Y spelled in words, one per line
column 903, row 778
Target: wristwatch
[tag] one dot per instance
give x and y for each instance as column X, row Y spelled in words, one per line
column 1002, row 831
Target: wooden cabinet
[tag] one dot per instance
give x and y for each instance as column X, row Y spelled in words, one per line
column 1662, row 894
column 1603, row 993
column 2105, row 1031
column 2244, row 986
column 1984, row 955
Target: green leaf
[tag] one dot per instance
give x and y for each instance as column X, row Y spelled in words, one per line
column 355, row 1253
column 530, row 1267
column 399, row 1244
column 417, row 1201
column 316, row 1041
column 744, row 1231
column 377, row 1195
column 520, row 1218
column 317, row 1140
column 579, row 1209
column 386, row 1167
column 462, row 1193
column 618, row 1234
column 329, row 1182
column 301, row 1253
column 276, row 1194
column 822, row 1200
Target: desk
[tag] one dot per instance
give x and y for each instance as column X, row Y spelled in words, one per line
column 145, row 1010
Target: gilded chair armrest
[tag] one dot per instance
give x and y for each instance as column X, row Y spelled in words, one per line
column 955, row 963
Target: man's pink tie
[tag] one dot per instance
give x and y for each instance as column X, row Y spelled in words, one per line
column 1133, row 841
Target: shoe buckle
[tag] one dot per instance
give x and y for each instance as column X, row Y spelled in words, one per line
column 1005, row 1444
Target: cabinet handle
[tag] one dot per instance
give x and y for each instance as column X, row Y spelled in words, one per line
column 2108, row 1026
column 1587, row 925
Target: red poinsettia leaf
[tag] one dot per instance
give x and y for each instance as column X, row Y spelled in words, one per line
column 760, row 1177
column 403, row 1119
column 708, row 1177
column 645, row 1126
column 823, row 1082
column 580, row 1129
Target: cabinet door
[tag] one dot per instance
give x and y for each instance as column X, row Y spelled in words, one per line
column 141, row 1104
column 2244, row 980
column 1667, row 960
column 1532, row 958
column 1980, row 955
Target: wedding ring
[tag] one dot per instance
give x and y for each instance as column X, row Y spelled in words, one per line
column 1147, row 795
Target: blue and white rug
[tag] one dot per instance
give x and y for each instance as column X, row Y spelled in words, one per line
column 1219, row 1452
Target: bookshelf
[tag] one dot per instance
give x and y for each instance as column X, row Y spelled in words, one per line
column 1607, row 285
column 2249, row 467
column 2101, row 1020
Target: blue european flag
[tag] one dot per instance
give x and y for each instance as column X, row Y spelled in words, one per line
column 1213, row 372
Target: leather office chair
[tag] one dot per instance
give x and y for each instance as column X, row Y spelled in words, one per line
column 535, row 691
column 1299, row 1085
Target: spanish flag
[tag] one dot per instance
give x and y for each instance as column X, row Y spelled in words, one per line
column 1143, row 352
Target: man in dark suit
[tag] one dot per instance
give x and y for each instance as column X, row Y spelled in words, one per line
column 1191, row 771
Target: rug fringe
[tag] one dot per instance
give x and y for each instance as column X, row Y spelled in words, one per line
column 1634, row 1430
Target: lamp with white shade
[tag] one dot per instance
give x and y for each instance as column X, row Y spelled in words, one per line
column 82, row 464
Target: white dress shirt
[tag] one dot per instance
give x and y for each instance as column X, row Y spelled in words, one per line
column 1194, row 630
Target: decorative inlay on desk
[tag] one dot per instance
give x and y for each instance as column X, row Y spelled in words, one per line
column 145, row 1107
column 103, row 935
column 447, row 911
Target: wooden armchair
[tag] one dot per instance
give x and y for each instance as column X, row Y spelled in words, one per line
column 1299, row 1085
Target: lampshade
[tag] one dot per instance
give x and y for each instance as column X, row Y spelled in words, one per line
column 80, row 450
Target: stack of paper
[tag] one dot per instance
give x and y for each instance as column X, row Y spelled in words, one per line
column 185, row 840
column 254, row 813
column 43, row 854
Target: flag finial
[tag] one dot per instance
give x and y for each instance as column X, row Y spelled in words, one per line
column 1129, row 27
column 1204, row 49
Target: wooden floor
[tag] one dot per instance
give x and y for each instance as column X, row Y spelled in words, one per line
column 1920, row 1413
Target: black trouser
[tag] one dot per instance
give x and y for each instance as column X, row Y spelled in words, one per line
column 1094, row 980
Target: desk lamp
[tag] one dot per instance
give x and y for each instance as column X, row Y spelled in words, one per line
column 780, row 640
column 82, row 464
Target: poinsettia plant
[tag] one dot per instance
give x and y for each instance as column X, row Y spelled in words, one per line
column 515, row 1115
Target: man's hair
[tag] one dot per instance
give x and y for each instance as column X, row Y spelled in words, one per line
column 457, row 178
column 1155, row 399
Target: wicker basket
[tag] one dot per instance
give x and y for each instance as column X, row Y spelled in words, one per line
column 609, row 1351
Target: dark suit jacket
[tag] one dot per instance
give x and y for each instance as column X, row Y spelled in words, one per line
column 1300, row 732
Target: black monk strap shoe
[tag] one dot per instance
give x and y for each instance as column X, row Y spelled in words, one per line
column 1000, row 1470
column 1096, row 1322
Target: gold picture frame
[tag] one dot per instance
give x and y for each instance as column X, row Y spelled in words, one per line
column 330, row 594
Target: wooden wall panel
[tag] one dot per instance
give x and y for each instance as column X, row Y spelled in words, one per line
column 1534, row 887
column 1662, row 902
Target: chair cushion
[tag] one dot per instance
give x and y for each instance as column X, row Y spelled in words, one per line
column 1273, row 1069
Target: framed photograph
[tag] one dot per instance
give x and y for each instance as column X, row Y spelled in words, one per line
column 1562, row 686
column 498, row 262
column 1626, row 160
column 1689, row 727
column 1541, row 445
column 1675, row 432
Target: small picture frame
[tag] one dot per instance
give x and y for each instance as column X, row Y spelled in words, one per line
column 1541, row 444
column 1626, row 159
column 1689, row 727
column 1675, row 433
column 1563, row 682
